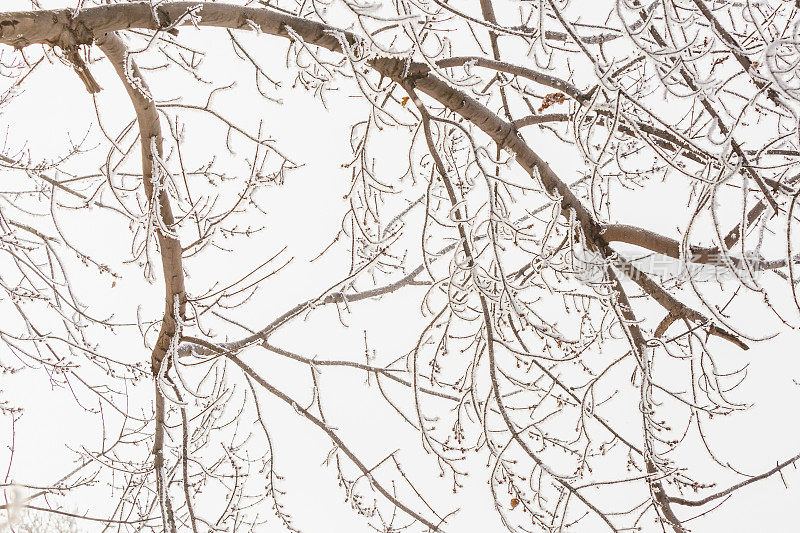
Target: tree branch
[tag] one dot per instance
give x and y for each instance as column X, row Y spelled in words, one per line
column 729, row 490
column 171, row 260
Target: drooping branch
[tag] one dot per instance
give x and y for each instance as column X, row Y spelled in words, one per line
column 470, row 263
column 720, row 124
column 170, row 247
column 150, row 130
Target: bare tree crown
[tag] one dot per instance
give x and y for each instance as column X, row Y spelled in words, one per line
column 589, row 207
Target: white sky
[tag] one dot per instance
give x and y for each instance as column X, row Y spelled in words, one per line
column 304, row 215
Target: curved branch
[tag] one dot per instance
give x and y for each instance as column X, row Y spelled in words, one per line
column 171, row 251
column 150, row 129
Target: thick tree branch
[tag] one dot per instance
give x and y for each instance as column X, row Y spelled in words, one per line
column 660, row 244
column 150, row 131
column 171, row 260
